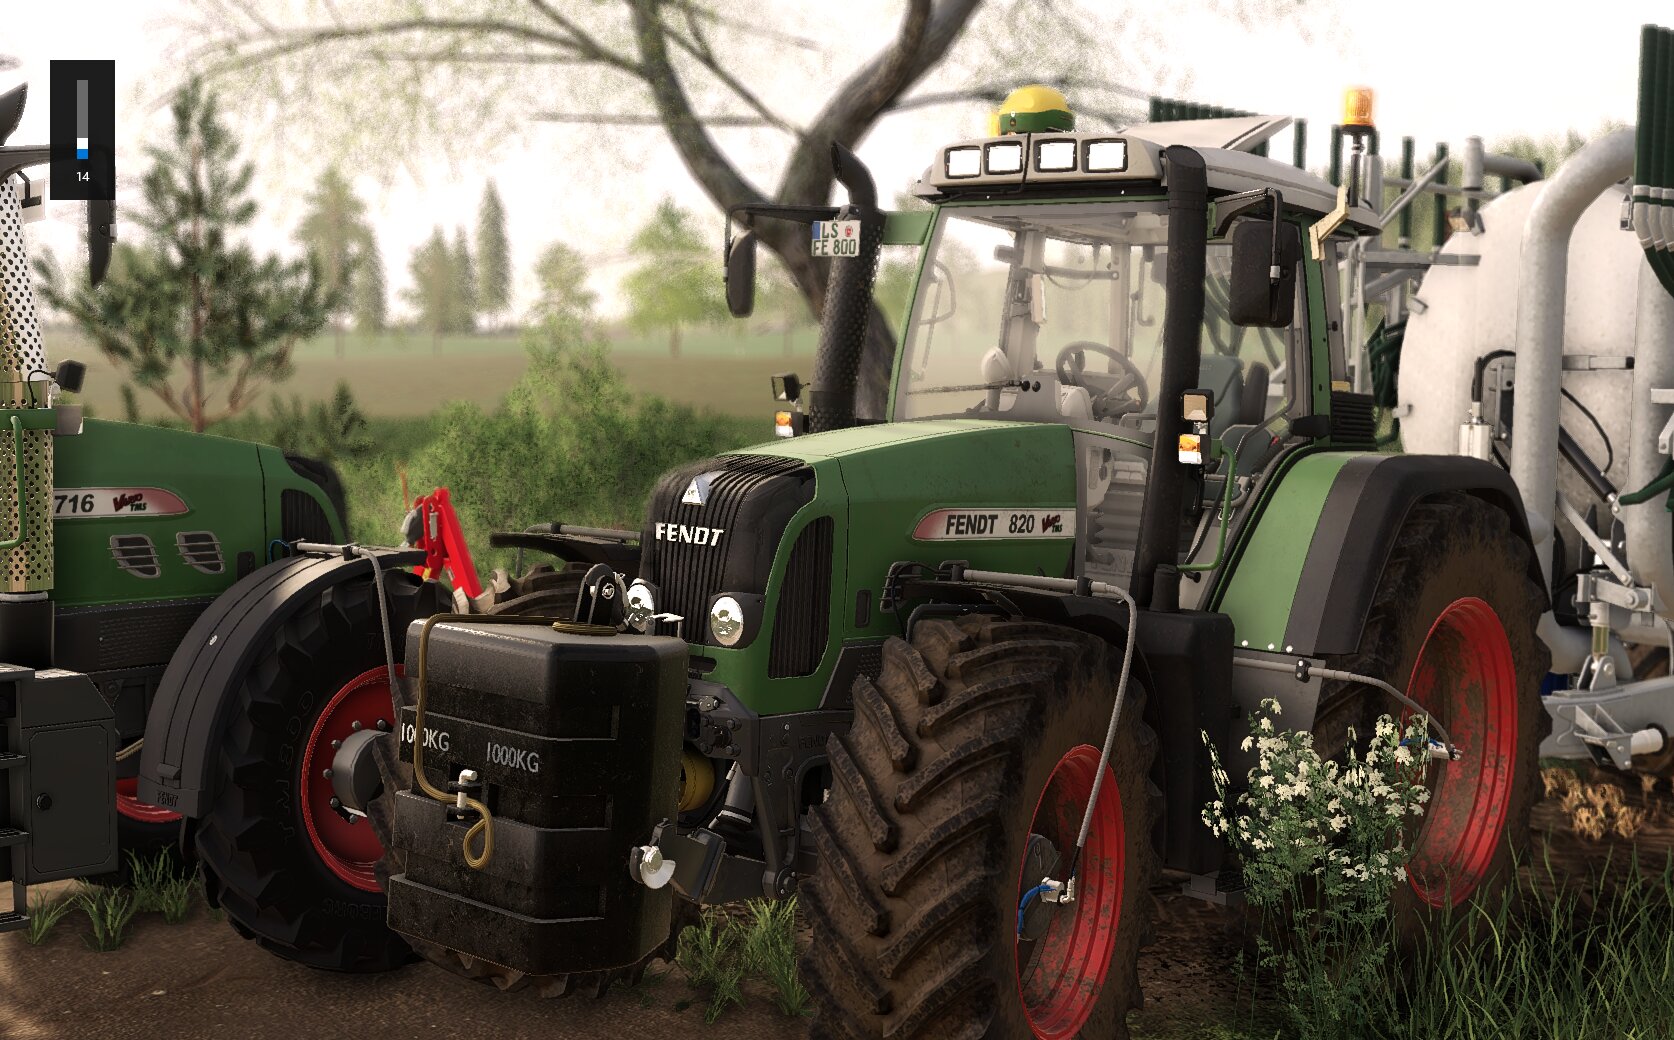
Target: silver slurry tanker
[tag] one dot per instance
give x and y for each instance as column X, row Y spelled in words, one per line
column 1547, row 345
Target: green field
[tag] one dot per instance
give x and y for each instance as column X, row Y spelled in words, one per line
column 405, row 374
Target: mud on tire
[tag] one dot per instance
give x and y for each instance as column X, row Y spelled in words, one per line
column 1452, row 553
column 922, row 837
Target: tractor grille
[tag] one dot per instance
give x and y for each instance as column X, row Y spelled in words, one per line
column 301, row 518
column 750, row 500
column 800, row 624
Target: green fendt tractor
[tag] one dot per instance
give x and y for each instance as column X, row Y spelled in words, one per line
column 114, row 538
column 943, row 675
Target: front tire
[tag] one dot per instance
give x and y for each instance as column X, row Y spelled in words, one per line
column 967, row 769
column 1453, row 624
column 289, row 872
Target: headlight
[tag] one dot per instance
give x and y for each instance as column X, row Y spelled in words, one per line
column 641, row 605
column 726, row 620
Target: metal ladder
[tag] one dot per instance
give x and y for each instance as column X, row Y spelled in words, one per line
column 14, row 838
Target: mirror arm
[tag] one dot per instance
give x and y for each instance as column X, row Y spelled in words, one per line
column 1230, row 207
column 1278, row 210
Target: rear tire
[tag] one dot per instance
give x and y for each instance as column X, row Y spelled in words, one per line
column 1453, row 625
column 977, row 735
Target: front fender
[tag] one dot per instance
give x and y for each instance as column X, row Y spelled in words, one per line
column 1305, row 575
column 191, row 710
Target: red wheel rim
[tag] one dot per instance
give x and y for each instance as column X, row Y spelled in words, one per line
column 129, row 805
column 1465, row 675
column 1067, row 971
column 350, row 850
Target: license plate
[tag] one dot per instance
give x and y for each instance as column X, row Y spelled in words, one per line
column 836, row 238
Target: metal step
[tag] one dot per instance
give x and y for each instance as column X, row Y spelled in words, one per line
column 13, row 920
column 12, row 759
column 10, row 836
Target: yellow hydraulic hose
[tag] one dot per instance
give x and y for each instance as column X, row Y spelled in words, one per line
column 485, row 825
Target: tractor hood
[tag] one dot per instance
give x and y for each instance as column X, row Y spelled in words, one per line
column 803, row 533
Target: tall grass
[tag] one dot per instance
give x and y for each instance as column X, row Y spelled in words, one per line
column 723, row 953
column 1557, row 959
column 1549, row 957
column 109, row 911
column 44, row 914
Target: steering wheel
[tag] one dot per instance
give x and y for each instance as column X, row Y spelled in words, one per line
column 1127, row 391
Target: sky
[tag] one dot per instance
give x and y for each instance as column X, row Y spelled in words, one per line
column 1442, row 70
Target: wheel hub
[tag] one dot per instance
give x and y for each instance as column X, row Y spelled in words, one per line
column 1061, row 973
column 1466, row 676
column 342, row 738
column 1040, row 861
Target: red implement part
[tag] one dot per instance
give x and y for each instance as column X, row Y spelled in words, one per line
column 443, row 542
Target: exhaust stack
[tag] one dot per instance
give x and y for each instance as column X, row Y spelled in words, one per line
column 848, row 302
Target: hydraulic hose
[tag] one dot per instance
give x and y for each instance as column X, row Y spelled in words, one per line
column 1370, row 680
column 1110, row 731
column 1663, row 482
column 485, row 825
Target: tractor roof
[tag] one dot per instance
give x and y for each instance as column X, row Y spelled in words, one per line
column 1053, row 161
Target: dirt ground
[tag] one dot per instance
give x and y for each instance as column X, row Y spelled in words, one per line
column 199, row 979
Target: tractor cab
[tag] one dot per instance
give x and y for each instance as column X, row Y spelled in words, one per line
column 1077, row 337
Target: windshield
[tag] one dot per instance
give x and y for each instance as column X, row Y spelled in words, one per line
column 1055, row 313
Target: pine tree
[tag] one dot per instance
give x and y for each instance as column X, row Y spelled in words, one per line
column 189, row 300
column 371, row 311
column 335, row 230
column 434, row 289
column 493, row 255
column 464, row 311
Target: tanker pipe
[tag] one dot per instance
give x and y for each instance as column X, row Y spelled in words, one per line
column 1541, row 285
column 1650, row 527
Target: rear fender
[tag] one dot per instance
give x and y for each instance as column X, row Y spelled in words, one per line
column 1306, row 574
column 194, row 700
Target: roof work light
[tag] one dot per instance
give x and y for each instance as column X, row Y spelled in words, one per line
column 1033, row 109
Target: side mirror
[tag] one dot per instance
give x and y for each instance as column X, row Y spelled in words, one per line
column 786, row 387
column 1263, row 289
column 101, row 232
column 741, row 275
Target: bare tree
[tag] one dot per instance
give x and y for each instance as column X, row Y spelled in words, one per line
column 461, row 72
